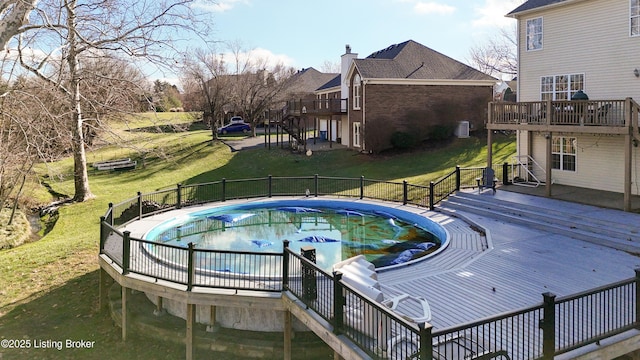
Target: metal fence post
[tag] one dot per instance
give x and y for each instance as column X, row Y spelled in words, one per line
column 431, row 195
column 224, row 189
column 458, row 180
column 637, row 319
column 126, row 251
column 338, row 304
column 315, row 185
column 269, row 184
column 285, row 265
column 111, row 214
column 179, row 196
column 426, row 341
column 309, row 280
column 405, row 192
column 361, row 187
column 102, row 234
column 190, row 267
column 548, row 326
column 139, row 205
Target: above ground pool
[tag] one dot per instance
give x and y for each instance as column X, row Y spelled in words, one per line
column 388, row 237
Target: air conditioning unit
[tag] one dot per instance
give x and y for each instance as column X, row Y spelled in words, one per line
column 462, row 131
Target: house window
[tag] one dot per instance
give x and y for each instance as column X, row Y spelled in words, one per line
column 356, row 134
column 634, row 17
column 356, row 92
column 563, row 153
column 560, row 87
column 534, row 34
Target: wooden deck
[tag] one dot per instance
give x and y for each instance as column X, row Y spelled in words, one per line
column 513, row 265
column 493, row 266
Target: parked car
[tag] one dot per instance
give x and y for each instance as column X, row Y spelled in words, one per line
column 236, row 119
column 235, row 127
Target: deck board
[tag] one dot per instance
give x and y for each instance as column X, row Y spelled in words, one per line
column 520, row 265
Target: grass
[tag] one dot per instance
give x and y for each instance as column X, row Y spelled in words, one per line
column 49, row 288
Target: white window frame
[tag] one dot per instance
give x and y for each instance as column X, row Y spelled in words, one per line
column 534, row 34
column 564, row 147
column 356, row 134
column 634, row 18
column 357, row 91
column 561, row 87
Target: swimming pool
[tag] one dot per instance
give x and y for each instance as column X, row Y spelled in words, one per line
column 387, row 236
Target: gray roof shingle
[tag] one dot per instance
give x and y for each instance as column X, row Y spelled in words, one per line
column 411, row 60
column 533, row 4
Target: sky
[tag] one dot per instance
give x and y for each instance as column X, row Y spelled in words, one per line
column 303, row 33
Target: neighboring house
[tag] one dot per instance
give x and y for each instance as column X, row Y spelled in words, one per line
column 302, row 84
column 410, row 88
column 566, row 49
column 405, row 87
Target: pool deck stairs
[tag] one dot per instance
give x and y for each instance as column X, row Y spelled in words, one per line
column 573, row 220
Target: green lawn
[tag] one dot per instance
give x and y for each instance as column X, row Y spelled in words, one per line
column 49, row 288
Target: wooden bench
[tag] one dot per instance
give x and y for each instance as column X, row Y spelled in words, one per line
column 118, row 164
column 488, row 180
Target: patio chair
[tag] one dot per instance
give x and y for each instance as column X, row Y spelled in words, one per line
column 360, row 273
column 488, row 180
column 599, row 115
column 366, row 320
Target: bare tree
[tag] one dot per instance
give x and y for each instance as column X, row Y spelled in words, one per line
column 64, row 36
column 330, row 67
column 206, row 79
column 498, row 55
column 256, row 85
column 29, row 133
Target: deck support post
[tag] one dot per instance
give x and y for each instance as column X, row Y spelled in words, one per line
column 628, row 169
column 547, row 166
column 189, row 337
column 105, row 281
column 288, row 335
column 124, row 321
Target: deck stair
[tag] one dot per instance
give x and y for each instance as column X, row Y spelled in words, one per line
column 293, row 129
column 605, row 232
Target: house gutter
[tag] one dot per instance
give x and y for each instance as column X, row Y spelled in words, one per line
column 435, row 82
column 561, row 3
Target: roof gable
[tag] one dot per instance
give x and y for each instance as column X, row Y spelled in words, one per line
column 411, row 60
column 308, row 80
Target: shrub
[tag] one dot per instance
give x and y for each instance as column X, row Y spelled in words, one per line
column 404, row 140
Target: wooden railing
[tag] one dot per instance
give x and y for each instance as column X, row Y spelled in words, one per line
column 316, row 107
column 610, row 113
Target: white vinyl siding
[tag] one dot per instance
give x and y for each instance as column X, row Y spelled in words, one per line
column 600, row 164
column 586, row 37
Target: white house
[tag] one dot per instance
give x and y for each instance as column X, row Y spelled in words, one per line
column 568, row 49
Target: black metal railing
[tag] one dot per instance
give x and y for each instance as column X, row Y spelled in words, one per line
column 553, row 327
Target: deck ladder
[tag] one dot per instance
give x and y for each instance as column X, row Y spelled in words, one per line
column 522, row 171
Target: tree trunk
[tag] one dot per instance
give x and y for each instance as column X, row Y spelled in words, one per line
column 14, row 14
column 80, row 174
